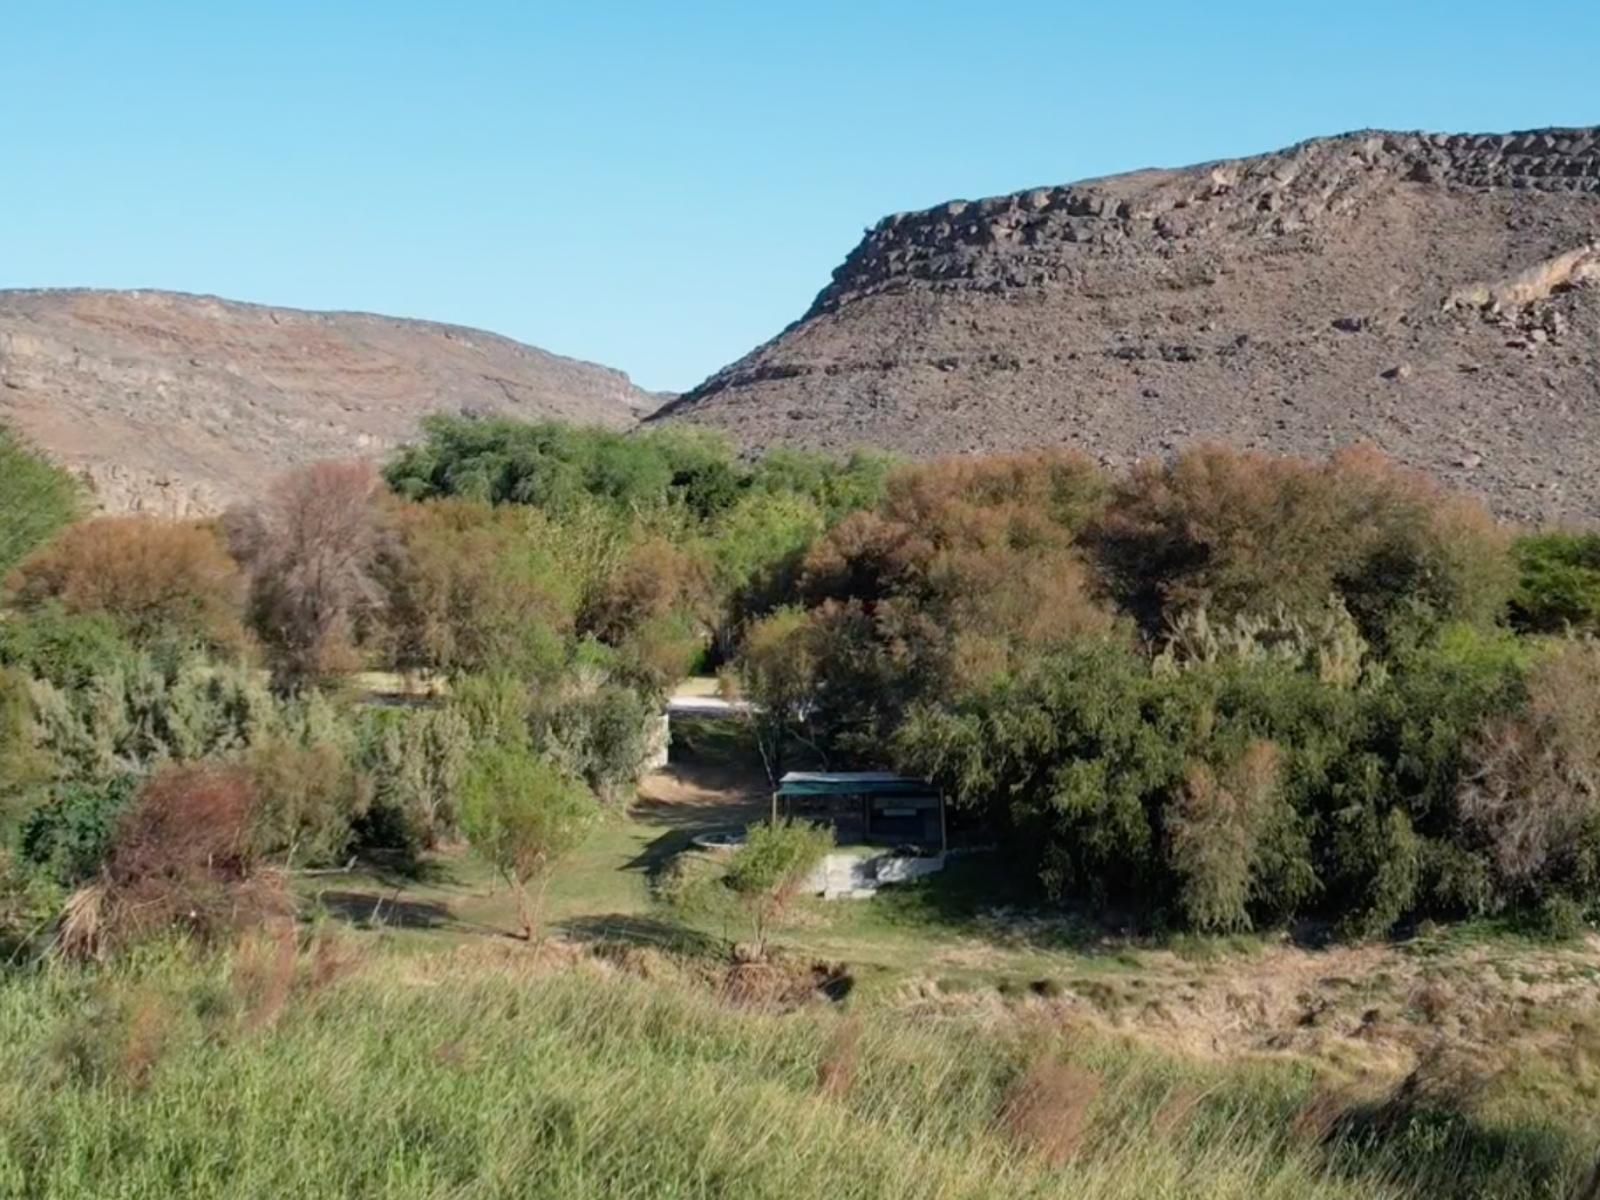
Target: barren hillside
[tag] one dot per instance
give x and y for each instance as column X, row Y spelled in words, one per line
column 176, row 403
column 1438, row 296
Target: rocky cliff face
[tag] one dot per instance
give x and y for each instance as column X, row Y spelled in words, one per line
column 1437, row 296
column 181, row 404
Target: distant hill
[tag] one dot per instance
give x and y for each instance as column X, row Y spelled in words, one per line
column 1435, row 295
column 176, row 404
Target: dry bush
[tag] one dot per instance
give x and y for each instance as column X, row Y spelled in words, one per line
column 312, row 551
column 1447, row 1079
column 1047, row 1110
column 158, row 579
column 779, row 985
column 650, row 581
column 1249, row 532
column 183, row 859
column 967, row 567
column 332, row 959
column 264, row 970
column 470, row 588
column 1531, row 785
column 1177, row 1111
column 149, row 1026
column 1322, row 1113
column 841, row 1059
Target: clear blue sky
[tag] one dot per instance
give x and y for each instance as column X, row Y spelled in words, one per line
column 661, row 186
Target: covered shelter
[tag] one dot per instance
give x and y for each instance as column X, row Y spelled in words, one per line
column 866, row 807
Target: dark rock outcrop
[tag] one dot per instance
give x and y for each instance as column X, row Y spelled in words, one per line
column 1437, row 296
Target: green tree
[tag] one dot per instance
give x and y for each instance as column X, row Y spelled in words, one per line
column 67, row 649
column 777, row 675
column 36, row 500
column 522, row 814
column 767, row 872
column 470, row 588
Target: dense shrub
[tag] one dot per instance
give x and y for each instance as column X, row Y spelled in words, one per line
column 645, row 606
column 24, row 764
column 414, row 761
column 1247, row 532
column 560, row 468
column 756, row 552
column 1531, row 784
column 494, row 708
column 36, row 500
column 1245, row 786
column 133, row 717
column 67, row 838
column 309, row 798
column 555, row 467
column 161, row 581
column 1558, row 586
column 1075, row 758
column 1218, row 826
column 184, row 858
column 470, row 588
column 61, row 648
column 603, row 733
column 965, row 570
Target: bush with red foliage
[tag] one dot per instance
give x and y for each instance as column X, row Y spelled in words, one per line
column 184, row 859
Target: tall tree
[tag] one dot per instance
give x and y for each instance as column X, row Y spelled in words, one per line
column 312, row 550
column 36, row 499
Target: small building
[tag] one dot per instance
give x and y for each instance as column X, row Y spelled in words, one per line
column 874, row 808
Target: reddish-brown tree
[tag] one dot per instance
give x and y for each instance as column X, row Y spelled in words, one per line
column 312, row 550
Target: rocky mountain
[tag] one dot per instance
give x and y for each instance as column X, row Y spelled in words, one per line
column 1437, row 296
column 181, row 404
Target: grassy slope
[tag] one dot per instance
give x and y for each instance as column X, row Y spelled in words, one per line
column 485, row 1072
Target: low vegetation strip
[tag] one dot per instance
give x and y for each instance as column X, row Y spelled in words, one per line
column 501, row 1073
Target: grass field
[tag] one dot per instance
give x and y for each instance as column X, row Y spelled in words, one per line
column 400, row 1043
column 493, row 1070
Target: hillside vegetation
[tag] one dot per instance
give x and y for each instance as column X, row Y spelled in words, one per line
column 1205, row 715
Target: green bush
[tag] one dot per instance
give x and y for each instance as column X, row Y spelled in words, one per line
column 309, row 799
column 36, row 500
column 1558, row 586
column 767, row 871
column 414, row 760
column 1559, row 918
column 66, row 839
column 66, row 649
column 522, row 814
column 603, row 735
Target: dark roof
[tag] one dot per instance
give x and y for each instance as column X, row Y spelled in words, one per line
column 852, row 783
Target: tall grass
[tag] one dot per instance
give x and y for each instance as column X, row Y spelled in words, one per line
column 485, row 1074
